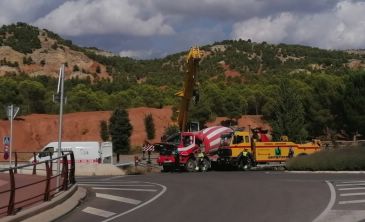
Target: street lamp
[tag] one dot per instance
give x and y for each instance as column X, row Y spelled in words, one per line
column 11, row 113
column 61, row 79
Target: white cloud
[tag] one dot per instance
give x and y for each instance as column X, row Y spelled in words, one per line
column 341, row 27
column 136, row 54
column 12, row 11
column 104, row 17
column 265, row 29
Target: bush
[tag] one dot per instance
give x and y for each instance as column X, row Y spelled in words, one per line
column 149, row 126
column 338, row 159
column 23, row 38
column 76, row 68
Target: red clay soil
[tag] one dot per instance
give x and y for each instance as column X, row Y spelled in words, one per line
column 34, row 131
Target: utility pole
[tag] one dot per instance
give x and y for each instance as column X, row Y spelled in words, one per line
column 61, row 79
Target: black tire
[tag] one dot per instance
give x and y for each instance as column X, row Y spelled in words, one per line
column 241, row 164
column 190, row 165
column 250, row 163
column 245, row 163
column 206, row 165
column 166, row 168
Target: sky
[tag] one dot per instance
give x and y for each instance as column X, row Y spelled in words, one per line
column 147, row 29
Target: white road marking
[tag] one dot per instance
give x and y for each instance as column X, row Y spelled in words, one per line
column 98, row 212
column 112, row 178
column 351, row 201
column 141, row 205
column 351, row 194
column 106, row 182
column 118, row 198
column 112, row 185
column 350, row 184
column 126, row 189
column 330, row 203
column 353, row 181
column 353, row 188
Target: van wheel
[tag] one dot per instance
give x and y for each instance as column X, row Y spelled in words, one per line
column 190, row 165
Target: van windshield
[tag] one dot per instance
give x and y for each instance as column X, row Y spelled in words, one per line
column 48, row 151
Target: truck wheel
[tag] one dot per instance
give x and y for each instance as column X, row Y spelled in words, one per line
column 190, row 165
column 166, row 168
column 245, row 164
column 206, row 165
column 249, row 163
column 241, row 164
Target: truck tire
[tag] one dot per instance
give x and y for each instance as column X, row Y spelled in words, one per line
column 245, row 163
column 166, row 168
column 241, row 164
column 190, row 165
column 206, row 166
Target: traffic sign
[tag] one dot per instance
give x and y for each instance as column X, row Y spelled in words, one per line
column 6, row 152
column 6, row 140
column 12, row 111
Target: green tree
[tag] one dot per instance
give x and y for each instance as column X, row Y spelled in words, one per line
column 104, row 133
column 288, row 114
column 98, row 70
column 9, row 94
column 32, row 94
column 82, row 98
column 76, row 68
column 149, row 126
column 170, row 130
column 120, row 130
column 354, row 104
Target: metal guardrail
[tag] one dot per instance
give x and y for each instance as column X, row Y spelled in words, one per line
column 149, row 162
column 67, row 178
column 328, row 144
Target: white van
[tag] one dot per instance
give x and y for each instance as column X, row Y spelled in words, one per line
column 84, row 151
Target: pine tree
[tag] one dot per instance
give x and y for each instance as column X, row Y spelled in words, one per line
column 104, row 134
column 120, row 130
column 288, row 115
column 149, row 126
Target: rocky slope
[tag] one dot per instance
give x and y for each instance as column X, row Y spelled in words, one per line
column 34, row 131
column 45, row 56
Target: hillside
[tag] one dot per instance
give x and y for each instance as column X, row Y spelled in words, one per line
column 31, row 51
column 236, row 77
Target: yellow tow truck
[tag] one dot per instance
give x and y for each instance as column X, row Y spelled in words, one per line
column 241, row 150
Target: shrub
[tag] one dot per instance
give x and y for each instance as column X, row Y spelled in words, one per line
column 352, row 158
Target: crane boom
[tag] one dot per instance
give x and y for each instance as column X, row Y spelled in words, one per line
column 192, row 62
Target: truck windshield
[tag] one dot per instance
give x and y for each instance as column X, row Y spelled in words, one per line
column 237, row 139
column 225, row 139
column 187, row 140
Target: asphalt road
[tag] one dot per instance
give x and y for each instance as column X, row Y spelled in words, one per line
column 223, row 196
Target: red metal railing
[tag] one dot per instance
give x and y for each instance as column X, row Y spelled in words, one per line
column 23, row 190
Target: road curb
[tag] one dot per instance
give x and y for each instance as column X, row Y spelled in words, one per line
column 52, row 210
column 334, row 172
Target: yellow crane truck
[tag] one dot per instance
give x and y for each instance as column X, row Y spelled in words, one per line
column 239, row 149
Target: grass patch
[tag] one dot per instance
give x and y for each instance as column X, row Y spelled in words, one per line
column 338, row 159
